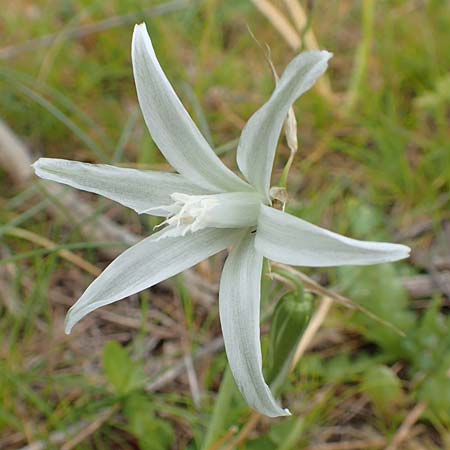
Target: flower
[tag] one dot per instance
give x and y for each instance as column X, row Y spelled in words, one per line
column 209, row 208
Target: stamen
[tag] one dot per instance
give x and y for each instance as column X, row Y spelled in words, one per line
column 191, row 213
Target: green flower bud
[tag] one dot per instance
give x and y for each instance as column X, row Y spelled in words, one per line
column 290, row 319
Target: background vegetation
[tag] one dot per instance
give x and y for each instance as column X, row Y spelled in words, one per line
column 373, row 162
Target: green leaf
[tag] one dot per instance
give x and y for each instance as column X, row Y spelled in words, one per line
column 124, row 374
column 223, row 410
column 152, row 432
column 427, row 348
column 436, row 393
column 436, row 98
column 379, row 289
column 261, row 443
column 383, row 387
column 344, row 368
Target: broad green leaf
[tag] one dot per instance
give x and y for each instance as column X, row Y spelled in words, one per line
column 124, row 374
column 383, row 387
column 152, row 432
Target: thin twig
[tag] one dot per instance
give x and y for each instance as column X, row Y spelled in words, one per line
column 300, row 20
column 14, row 156
column 68, row 204
column 311, row 330
column 7, row 293
column 294, row 41
column 405, row 427
column 245, row 432
column 192, row 380
column 47, row 243
column 213, row 347
column 316, row 288
column 359, row 444
column 57, row 437
column 89, row 429
column 136, row 324
column 228, row 435
column 279, row 21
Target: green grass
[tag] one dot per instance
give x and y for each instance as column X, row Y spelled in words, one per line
column 374, row 171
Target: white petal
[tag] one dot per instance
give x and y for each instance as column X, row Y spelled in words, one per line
column 146, row 264
column 232, row 210
column 170, row 125
column 287, row 239
column 258, row 142
column 239, row 305
column 136, row 189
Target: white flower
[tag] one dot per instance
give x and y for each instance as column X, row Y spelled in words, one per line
column 209, row 208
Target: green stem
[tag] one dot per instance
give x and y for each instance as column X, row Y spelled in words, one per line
column 293, row 435
column 361, row 57
column 220, row 414
column 292, row 278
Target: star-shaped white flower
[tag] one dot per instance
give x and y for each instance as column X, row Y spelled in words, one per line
column 209, row 208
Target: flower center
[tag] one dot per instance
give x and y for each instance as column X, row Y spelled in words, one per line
column 191, row 213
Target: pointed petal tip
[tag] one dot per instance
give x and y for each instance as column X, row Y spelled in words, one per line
column 239, row 309
column 39, row 167
column 282, row 412
column 162, row 108
column 73, row 316
column 403, row 251
column 328, row 55
column 290, row 240
column 140, row 27
column 259, row 138
column 396, row 252
column 325, row 57
column 43, row 163
column 139, row 33
column 325, row 54
column 68, row 325
column 38, row 162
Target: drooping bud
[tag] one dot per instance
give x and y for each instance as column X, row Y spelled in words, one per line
column 290, row 319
